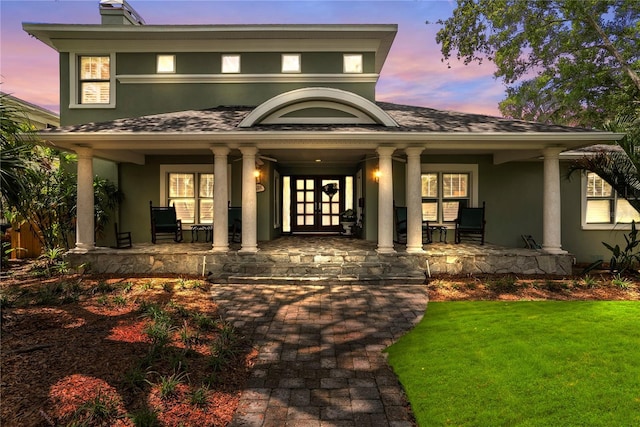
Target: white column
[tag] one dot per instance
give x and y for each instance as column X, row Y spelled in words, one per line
column 414, row 200
column 220, row 200
column 85, row 221
column 385, row 200
column 551, row 215
column 249, row 200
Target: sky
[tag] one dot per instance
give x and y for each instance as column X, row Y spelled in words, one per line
column 413, row 74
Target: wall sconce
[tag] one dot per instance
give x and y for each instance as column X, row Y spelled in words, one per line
column 258, row 174
column 376, row 175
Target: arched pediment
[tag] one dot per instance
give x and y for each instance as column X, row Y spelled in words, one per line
column 317, row 106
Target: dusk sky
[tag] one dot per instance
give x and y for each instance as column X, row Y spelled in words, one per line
column 413, row 73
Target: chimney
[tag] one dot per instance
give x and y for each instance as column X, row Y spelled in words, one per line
column 119, row 12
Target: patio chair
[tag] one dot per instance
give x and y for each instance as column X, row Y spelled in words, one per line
column 470, row 223
column 164, row 221
column 235, row 223
column 530, row 242
column 400, row 217
column 123, row 238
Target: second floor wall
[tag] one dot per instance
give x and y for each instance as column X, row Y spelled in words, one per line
column 102, row 85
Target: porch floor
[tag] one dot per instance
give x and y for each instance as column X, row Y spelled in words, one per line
column 309, row 259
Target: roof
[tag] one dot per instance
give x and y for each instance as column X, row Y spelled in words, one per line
column 409, row 119
column 376, row 38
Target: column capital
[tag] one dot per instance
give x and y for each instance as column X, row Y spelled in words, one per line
column 385, row 150
column 220, row 150
column 249, row 151
column 552, row 152
column 413, row 151
column 85, row 152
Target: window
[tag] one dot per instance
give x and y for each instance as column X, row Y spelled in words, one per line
column 604, row 206
column 230, row 63
column 352, row 63
column 291, row 63
column 166, row 64
column 192, row 195
column 94, row 75
column 442, row 194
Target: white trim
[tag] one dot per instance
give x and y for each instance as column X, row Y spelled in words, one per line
column 74, row 80
column 332, row 95
column 246, row 78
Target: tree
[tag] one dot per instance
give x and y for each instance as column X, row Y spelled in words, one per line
column 38, row 184
column 565, row 61
column 15, row 149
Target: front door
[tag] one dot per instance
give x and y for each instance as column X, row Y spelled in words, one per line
column 317, row 203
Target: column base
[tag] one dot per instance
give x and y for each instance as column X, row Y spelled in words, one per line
column 385, row 250
column 219, row 249
column 82, row 248
column 248, row 250
column 554, row 250
column 415, row 250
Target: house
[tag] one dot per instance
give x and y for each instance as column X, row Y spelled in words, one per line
column 276, row 113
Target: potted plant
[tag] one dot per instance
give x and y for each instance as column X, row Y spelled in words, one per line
column 348, row 220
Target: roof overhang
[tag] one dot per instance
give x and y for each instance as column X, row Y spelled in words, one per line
column 376, row 38
column 504, row 147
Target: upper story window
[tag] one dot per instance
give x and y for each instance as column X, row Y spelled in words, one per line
column 94, row 79
column 166, row 64
column 291, row 63
column 352, row 63
column 604, row 206
column 230, row 63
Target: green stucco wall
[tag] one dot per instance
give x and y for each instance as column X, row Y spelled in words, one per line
column 134, row 100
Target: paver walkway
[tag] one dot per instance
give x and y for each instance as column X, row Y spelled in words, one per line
column 321, row 360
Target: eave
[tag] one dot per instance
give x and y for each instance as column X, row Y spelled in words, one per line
column 132, row 147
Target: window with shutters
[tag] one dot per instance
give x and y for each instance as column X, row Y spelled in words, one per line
column 95, row 80
column 92, row 80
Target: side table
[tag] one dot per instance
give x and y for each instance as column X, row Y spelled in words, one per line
column 441, row 229
column 208, row 232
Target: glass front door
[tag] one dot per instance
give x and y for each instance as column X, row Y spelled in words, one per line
column 317, row 203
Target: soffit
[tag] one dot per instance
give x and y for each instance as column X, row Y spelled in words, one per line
column 376, row 38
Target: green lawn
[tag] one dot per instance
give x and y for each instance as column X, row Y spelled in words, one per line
column 544, row 363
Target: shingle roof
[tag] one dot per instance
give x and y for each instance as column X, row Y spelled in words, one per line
column 409, row 119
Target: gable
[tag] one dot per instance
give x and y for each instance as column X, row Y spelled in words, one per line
column 318, row 106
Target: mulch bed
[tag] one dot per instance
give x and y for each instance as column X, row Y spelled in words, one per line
column 77, row 349
column 74, row 350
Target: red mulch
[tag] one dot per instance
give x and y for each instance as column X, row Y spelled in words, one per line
column 66, row 362
column 68, row 342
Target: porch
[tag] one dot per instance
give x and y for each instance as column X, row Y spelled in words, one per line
column 310, row 259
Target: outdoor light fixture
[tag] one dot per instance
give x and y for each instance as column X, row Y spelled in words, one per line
column 376, row 175
column 258, row 174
